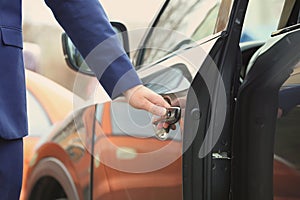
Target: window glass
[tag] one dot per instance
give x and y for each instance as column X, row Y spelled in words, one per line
column 263, row 16
column 129, row 121
column 187, row 21
column 170, row 80
column 38, row 120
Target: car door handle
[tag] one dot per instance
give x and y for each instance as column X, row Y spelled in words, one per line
column 171, row 117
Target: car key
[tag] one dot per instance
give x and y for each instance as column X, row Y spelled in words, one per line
column 171, row 117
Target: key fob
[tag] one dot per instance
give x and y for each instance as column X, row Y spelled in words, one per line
column 171, row 117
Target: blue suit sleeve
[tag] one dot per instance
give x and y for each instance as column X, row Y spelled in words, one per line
column 87, row 25
column 289, row 98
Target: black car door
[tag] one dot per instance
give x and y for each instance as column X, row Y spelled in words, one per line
column 198, row 72
column 209, row 115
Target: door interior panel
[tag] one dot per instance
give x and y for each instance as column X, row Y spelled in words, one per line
column 257, row 102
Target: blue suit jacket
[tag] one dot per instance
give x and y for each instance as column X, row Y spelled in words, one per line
column 87, row 25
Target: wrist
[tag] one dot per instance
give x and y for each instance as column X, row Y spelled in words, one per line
column 130, row 91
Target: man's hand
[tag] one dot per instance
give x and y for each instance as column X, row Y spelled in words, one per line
column 141, row 97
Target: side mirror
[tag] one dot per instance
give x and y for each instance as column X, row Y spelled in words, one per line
column 76, row 61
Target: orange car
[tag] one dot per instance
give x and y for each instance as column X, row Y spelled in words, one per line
column 48, row 103
column 62, row 166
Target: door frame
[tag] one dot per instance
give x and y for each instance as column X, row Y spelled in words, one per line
column 209, row 178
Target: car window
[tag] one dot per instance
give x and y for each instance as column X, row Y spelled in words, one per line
column 38, row 120
column 262, row 16
column 189, row 21
column 128, row 121
column 170, row 80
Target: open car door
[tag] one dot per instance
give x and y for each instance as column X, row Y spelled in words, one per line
column 208, row 135
column 198, row 72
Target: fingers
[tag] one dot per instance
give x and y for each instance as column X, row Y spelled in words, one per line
column 172, row 126
column 141, row 97
column 157, row 104
column 150, row 107
column 157, row 110
column 158, row 100
column 178, row 102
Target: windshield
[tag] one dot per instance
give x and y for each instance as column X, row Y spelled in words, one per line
column 183, row 22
